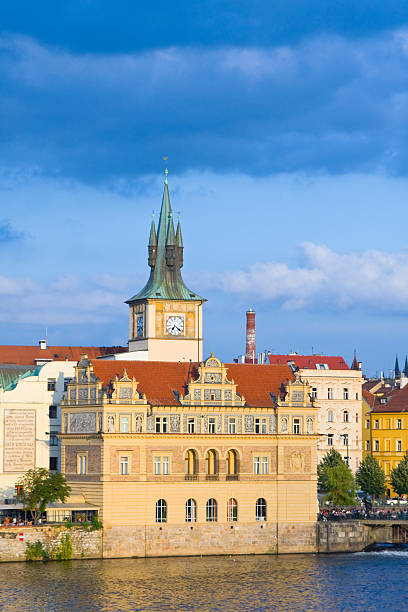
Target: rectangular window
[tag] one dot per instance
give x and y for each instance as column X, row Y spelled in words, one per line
column 260, row 426
column 257, row 426
column 52, row 412
column 124, row 424
column 191, row 425
column 161, row 424
column 376, row 424
column 345, row 393
column 345, row 439
column 399, row 445
column 376, row 445
column 53, row 464
column 66, row 381
column 329, row 393
column 263, row 426
column 211, row 425
column 330, row 439
column 51, row 384
column 232, row 427
column 296, row 426
column 356, row 417
column 157, row 465
column 53, row 439
column 314, row 393
column 399, row 423
column 356, row 396
column 166, row 465
column 257, row 465
column 367, row 445
column 124, row 465
column 265, row 465
column 367, row 423
column 82, row 464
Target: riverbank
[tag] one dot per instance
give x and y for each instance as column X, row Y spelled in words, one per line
column 196, row 540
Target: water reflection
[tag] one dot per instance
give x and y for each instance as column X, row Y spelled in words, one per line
column 294, row 582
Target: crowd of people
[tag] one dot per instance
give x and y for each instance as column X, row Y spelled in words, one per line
column 355, row 514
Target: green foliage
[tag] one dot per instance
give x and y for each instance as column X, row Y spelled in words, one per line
column 370, row 477
column 341, row 489
column 64, row 552
column 96, row 524
column 399, row 476
column 330, row 460
column 35, row 552
column 68, row 524
column 39, row 488
column 85, row 524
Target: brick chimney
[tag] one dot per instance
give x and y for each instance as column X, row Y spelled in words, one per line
column 250, row 354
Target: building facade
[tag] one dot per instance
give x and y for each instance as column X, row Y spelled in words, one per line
column 190, row 452
column 337, row 391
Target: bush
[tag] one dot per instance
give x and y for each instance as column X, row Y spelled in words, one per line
column 35, row 552
column 96, row 524
column 64, row 552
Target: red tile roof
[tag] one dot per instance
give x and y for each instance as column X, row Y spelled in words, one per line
column 368, row 397
column 310, row 361
column 27, row 355
column 397, row 403
column 159, row 379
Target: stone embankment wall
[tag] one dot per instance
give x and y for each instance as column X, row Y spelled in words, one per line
column 13, row 541
column 196, row 539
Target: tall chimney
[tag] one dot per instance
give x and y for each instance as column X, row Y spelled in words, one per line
column 250, row 354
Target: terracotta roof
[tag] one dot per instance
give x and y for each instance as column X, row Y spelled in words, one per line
column 397, row 403
column 27, row 355
column 368, row 397
column 310, row 361
column 160, row 379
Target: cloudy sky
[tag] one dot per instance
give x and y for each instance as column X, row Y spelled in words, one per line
column 286, row 128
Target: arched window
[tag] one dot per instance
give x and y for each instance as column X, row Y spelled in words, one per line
column 346, row 416
column 211, row 467
column 191, row 511
column 232, row 510
column 260, row 509
column 190, row 464
column 232, row 464
column 211, row 510
column 161, row 511
column 330, row 416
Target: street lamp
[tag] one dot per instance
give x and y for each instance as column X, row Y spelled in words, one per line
column 346, row 440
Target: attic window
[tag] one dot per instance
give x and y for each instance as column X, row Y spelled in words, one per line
column 157, row 293
column 192, row 295
column 322, row 366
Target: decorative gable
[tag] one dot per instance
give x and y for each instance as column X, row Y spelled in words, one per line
column 212, row 387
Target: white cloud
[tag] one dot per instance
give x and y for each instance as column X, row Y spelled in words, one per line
column 370, row 279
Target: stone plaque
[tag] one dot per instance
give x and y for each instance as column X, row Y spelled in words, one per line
column 19, row 440
column 297, row 396
column 125, row 393
column 83, row 422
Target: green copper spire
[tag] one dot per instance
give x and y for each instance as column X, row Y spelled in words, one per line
column 165, row 259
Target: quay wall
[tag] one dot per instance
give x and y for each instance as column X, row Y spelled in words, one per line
column 197, row 539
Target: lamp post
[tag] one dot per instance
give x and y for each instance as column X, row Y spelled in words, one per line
column 346, row 439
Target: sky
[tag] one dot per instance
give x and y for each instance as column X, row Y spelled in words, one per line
column 285, row 124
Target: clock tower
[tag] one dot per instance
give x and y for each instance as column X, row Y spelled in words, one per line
column 165, row 316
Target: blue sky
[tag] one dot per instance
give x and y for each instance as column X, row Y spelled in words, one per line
column 285, row 124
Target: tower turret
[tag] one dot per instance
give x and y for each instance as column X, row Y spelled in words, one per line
column 171, row 252
column 179, row 243
column 152, row 245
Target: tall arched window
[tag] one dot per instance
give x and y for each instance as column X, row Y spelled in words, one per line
column 260, row 509
column 211, row 510
column 232, row 465
column 330, row 416
column 190, row 464
column 161, row 511
column 232, row 510
column 211, row 467
column 346, row 416
column 191, row 511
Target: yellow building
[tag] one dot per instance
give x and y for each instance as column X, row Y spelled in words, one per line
column 190, row 452
column 368, row 405
column 389, row 431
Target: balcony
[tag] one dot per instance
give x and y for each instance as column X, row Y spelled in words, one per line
column 212, row 476
column 191, row 477
column 232, row 477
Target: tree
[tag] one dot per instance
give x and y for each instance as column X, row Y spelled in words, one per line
column 399, row 476
column 336, row 479
column 38, row 488
column 331, row 459
column 370, row 477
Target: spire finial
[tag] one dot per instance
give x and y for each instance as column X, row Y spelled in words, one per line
column 165, row 158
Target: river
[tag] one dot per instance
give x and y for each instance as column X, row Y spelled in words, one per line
column 362, row 581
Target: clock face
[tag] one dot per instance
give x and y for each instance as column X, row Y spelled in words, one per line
column 175, row 325
column 139, row 325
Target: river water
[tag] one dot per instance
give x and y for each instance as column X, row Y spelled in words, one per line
column 362, row 581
